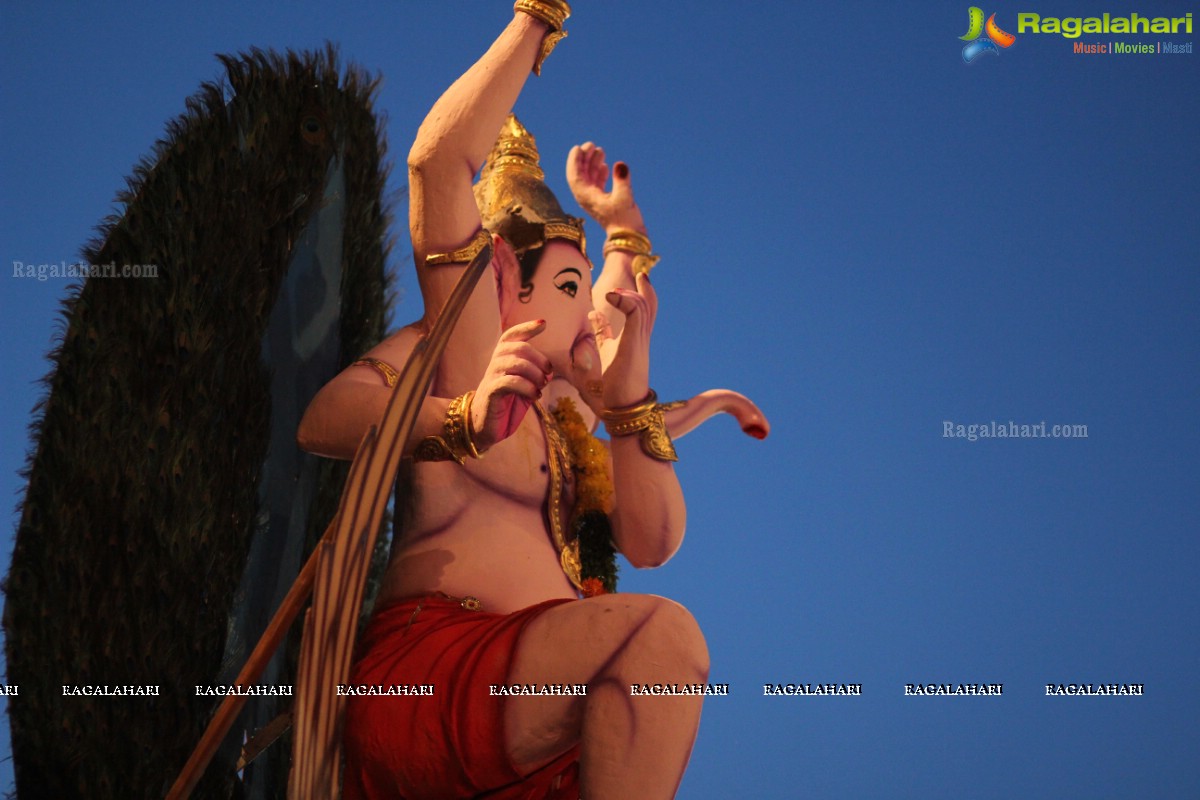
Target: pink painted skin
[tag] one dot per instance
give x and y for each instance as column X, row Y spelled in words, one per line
column 480, row 528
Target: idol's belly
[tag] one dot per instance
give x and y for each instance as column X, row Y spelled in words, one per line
column 504, row 558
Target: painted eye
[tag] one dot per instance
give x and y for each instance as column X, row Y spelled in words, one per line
column 568, row 287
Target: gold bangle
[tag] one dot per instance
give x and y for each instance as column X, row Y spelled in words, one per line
column 626, row 239
column 457, row 439
column 646, row 420
column 457, row 427
column 462, row 255
column 630, row 412
column 638, row 244
column 553, row 13
column 390, row 376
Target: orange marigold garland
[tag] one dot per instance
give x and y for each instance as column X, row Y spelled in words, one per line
column 593, row 501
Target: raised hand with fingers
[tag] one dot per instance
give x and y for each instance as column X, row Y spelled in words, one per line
column 513, row 381
column 587, row 175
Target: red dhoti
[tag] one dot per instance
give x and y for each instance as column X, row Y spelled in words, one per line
column 448, row 745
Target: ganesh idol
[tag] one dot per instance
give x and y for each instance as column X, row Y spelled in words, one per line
column 511, row 510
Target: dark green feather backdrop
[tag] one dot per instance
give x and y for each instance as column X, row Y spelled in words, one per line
column 167, row 506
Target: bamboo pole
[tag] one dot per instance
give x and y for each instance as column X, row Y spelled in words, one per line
column 232, row 705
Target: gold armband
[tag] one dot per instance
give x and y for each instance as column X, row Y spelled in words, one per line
column 552, row 12
column 462, row 255
column 632, row 242
column 390, row 376
column 457, row 439
column 646, row 420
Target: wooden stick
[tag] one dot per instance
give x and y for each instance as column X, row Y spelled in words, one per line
column 232, row 705
column 264, row 737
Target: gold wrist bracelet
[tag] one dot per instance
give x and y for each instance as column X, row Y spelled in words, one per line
column 457, row 427
column 457, row 440
column 631, row 241
column 646, row 420
column 630, row 412
column 553, row 13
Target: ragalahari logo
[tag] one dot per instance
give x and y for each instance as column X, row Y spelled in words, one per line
column 991, row 43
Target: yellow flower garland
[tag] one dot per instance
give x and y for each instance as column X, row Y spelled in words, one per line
column 593, row 500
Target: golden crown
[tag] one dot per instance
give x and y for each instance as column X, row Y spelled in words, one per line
column 513, row 198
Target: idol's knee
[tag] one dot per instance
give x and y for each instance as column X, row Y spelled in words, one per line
column 672, row 638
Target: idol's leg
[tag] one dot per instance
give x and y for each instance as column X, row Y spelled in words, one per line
column 630, row 746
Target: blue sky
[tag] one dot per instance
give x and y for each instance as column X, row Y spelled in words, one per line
column 870, row 238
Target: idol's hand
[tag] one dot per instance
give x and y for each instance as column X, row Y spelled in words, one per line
column 513, row 381
column 587, row 174
column 627, row 379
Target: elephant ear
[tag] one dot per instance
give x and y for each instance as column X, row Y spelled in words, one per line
column 508, row 276
column 167, row 505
